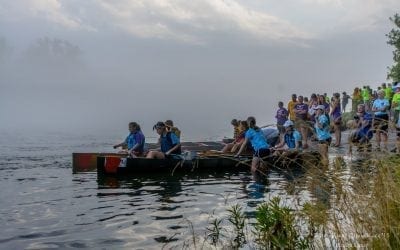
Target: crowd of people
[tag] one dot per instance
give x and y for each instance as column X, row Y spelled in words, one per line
column 317, row 118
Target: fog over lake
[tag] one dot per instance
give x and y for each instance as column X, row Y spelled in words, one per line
column 93, row 66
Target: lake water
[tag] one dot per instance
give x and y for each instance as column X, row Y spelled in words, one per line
column 45, row 206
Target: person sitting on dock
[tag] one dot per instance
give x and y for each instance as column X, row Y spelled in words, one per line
column 235, row 145
column 364, row 133
column 169, row 124
column 170, row 143
column 290, row 140
column 261, row 148
column 134, row 142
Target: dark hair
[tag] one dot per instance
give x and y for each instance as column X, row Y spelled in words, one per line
column 169, row 123
column 251, row 121
column 135, row 125
column 235, row 122
column 159, row 125
column 244, row 124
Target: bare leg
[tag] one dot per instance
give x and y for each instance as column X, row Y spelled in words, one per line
column 227, row 147
column 323, row 150
column 378, row 139
column 155, row 155
column 304, row 135
column 385, row 140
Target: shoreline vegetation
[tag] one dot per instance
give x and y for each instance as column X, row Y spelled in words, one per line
column 356, row 210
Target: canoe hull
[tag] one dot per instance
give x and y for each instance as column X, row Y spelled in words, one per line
column 116, row 165
column 122, row 166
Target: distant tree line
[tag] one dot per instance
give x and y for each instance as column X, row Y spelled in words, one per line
column 394, row 40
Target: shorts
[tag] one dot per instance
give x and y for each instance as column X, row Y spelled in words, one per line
column 381, row 123
column 326, row 141
column 173, row 156
column 300, row 123
column 262, row 152
column 337, row 121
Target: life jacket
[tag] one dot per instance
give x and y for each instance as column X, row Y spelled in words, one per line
column 289, row 140
column 166, row 144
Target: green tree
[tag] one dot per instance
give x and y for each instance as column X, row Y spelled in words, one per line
column 394, row 40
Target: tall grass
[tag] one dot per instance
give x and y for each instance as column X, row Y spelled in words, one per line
column 359, row 209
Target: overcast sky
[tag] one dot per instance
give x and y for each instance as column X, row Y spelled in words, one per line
column 97, row 64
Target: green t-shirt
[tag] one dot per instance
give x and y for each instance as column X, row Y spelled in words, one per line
column 365, row 94
column 396, row 100
column 388, row 93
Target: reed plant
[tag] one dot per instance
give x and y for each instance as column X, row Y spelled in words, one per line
column 351, row 205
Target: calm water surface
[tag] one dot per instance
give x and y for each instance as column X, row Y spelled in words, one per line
column 45, row 206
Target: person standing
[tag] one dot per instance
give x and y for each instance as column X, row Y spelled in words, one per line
column 281, row 117
column 261, row 148
column 301, row 111
column 323, row 134
column 336, row 118
column 345, row 100
column 380, row 107
column 292, row 102
column 396, row 104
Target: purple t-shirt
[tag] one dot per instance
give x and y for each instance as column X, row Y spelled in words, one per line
column 303, row 107
column 281, row 116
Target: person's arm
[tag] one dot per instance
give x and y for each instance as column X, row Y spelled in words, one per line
column 120, row 145
column 297, row 141
column 281, row 142
column 173, row 149
column 176, row 142
column 374, row 108
column 246, row 140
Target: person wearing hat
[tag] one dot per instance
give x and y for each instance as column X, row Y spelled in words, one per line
column 134, row 142
column 364, row 133
column 169, row 142
column 322, row 130
column 290, row 140
column 169, row 124
column 380, row 107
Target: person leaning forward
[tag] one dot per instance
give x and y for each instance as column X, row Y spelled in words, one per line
column 169, row 142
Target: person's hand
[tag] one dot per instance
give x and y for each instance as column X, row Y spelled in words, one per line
column 167, row 153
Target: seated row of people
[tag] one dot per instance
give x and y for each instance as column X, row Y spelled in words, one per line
column 169, row 141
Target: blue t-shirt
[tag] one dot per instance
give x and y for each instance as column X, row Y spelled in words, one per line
column 366, row 129
column 257, row 139
column 323, row 133
column 135, row 138
column 291, row 139
column 380, row 104
column 168, row 141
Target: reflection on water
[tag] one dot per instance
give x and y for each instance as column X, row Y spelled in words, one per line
column 43, row 205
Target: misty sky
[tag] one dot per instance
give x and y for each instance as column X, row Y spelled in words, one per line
column 80, row 65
